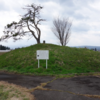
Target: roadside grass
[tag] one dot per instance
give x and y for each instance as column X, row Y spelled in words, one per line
column 63, row 60
column 14, row 92
column 2, row 53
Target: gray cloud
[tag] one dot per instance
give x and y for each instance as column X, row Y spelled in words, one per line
column 82, row 27
column 3, row 6
column 83, row 13
column 80, row 16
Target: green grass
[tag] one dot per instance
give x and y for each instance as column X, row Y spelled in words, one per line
column 62, row 60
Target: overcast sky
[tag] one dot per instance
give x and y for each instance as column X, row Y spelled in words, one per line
column 84, row 14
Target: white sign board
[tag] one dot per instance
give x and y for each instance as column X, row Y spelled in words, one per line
column 42, row 54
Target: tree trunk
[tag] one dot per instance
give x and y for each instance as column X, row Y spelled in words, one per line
column 38, row 41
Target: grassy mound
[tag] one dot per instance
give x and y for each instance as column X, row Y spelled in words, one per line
column 62, row 60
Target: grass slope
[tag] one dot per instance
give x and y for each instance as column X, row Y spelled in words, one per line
column 62, row 60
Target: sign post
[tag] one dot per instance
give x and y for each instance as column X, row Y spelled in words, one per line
column 46, row 63
column 38, row 63
column 42, row 54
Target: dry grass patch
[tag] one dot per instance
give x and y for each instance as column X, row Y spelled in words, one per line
column 2, row 53
column 14, row 92
column 91, row 96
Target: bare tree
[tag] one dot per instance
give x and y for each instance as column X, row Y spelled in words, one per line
column 28, row 25
column 62, row 30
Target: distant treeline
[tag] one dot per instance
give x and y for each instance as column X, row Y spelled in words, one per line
column 4, row 47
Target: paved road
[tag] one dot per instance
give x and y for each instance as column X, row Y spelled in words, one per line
column 82, row 85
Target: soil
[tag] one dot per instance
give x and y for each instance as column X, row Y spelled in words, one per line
column 76, row 88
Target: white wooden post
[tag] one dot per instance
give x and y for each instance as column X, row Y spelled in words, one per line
column 38, row 63
column 46, row 63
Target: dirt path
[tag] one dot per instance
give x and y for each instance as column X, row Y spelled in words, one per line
column 77, row 88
